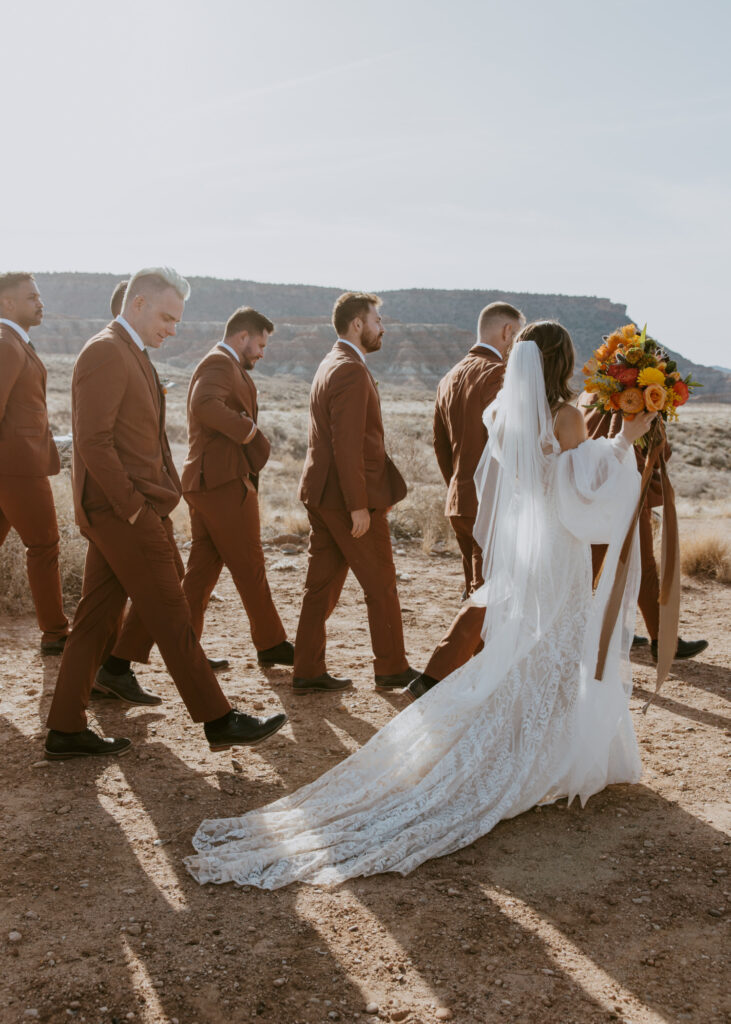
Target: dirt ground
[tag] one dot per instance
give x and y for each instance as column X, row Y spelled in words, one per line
column 615, row 912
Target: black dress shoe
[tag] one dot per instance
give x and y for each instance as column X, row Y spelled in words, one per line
column 54, row 646
column 419, row 686
column 61, row 745
column 397, row 681
column 639, row 641
column 237, row 729
column 125, row 687
column 280, row 654
column 324, row 683
column 217, row 663
column 685, row 648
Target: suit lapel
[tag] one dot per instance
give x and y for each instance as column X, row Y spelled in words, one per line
column 145, row 365
column 30, row 352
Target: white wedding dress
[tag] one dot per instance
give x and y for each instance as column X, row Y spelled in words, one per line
column 523, row 722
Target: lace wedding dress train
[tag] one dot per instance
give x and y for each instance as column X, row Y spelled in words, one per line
column 523, row 722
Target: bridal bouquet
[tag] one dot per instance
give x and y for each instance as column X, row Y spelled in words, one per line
column 631, row 372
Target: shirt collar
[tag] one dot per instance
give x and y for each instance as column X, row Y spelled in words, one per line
column 354, row 347
column 16, row 327
column 222, row 344
column 483, row 344
column 132, row 332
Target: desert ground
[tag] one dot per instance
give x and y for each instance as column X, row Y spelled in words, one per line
column 614, row 912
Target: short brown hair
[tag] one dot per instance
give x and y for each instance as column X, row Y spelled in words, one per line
column 496, row 311
column 11, row 278
column 557, row 350
column 349, row 306
column 117, row 300
column 246, row 318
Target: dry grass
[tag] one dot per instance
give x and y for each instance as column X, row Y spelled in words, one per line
column 708, row 555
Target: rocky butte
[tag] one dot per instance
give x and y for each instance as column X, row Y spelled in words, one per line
column 429, row 329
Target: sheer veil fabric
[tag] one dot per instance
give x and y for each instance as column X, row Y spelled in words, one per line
column 524, row 721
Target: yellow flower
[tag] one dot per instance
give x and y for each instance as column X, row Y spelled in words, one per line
column 650, row 375
column 630, row 332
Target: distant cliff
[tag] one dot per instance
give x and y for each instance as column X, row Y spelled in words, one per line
column 428, row 329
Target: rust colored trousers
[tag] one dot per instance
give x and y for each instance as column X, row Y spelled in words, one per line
column 136, row 560
column 470, row 550
column 26, row 505
column 332, row 551
column 648, row 598
column 225, row 531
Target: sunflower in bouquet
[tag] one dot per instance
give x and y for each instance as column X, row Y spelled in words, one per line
column 631, row 373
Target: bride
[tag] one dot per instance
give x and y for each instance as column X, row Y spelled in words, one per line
column 523, row 722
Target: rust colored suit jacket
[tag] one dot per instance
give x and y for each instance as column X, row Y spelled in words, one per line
column 222, row 410
column 26, row 444
column 605, row 424
column 122, row 457
column 460, row 436
column 346, row 466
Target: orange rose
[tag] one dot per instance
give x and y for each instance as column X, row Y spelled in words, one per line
column 629, row 331
column 601, row 353
column 614, row 341
column 655, row 397
column 681, row 390
column 631, row 401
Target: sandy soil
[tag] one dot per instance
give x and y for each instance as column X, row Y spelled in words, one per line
column 615, row 912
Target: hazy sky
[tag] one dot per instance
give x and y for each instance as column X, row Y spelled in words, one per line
column 575, row 146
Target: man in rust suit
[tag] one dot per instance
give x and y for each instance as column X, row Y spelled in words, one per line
column 348, row 484
column 125, row 486
column 28, row 455
column 220, row 482
column 463, row 395
column 604, row 424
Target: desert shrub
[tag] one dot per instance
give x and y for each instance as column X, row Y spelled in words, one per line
column 706, row 554
column 15, row 596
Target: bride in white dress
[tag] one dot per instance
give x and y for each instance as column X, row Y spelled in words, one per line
column 523, row 722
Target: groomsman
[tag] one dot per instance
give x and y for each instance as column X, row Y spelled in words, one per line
column 604, row 424
column 221, row 480
column 348, row 484
column 460, row 436
column 28, row 455
column 125, row 487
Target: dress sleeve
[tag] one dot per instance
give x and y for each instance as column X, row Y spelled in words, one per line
column 596, row 483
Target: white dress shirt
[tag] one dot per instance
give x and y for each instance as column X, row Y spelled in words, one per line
column 483, row 344
column 16, row 327
column 354, row 347
column 222, row 344
column 132, row 333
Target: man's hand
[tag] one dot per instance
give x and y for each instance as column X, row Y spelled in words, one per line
column 132, row 519
column 361, row 521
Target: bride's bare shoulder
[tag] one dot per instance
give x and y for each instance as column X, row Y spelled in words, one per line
column 569, row 427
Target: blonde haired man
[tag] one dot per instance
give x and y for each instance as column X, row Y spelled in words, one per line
column 125, row 487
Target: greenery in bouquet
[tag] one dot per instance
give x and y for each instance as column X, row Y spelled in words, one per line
column 631, row 372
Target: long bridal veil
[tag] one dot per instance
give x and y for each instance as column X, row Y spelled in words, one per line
column 523, row 721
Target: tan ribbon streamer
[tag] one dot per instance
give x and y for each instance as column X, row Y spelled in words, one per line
column 667, row 641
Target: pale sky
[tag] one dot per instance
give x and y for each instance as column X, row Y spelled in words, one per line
column 573, row 146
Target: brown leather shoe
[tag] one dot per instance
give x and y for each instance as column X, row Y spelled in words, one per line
column 324, row 683
column 124, row 687
column 53, row 646
column 397, row 681
column 62, row 745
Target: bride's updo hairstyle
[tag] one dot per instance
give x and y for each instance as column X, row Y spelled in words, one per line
column 557, row 350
